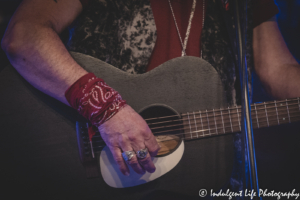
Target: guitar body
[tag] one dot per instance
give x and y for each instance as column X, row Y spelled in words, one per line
column 40, row 135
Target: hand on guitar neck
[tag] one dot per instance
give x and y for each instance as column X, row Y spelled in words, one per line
column 128, row 131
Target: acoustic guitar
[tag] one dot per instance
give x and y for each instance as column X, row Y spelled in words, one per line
column 181, row 100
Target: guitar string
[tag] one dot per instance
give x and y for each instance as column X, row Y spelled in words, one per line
column 223, row 109
column 229, row 108
column 260, row 121
column 204, row 122
column 253, row 115
column 209, row 127
column 233, row 120
column 224, row 114
column 232, row 117
column 182, row 134
column 204, row 130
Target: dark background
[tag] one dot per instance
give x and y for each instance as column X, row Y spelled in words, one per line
column 277, row 148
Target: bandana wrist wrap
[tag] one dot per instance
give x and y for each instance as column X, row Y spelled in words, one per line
column 94, row 99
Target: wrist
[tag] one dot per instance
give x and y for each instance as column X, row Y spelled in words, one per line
column 94, row 99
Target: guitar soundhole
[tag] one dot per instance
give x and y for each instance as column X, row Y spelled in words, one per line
column 166, row 126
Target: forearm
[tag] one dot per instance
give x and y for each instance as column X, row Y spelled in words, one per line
column 34, row 48
column 39, row 55
column 284, row 82
column 276, row 67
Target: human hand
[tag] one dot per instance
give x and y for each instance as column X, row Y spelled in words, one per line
column 128, row 131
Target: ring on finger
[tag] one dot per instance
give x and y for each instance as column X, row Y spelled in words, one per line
column 128, row 155
column 142, row 153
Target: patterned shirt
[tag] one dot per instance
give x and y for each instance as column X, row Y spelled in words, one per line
column 123, row 34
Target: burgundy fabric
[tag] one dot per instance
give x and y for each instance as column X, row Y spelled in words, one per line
column 167, row 44
column 94, row 99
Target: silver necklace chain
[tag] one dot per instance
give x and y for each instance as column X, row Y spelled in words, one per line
column 183, row 53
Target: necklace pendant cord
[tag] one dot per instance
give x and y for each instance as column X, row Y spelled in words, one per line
column 184, row 44
column 203, row 15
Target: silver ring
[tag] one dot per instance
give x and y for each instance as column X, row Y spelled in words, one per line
column 128, row 155
column 142, row 153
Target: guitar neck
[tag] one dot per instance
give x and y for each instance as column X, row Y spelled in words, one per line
column 222, row 121
column 201, row 124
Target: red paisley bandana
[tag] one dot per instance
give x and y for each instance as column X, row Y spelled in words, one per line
column 94, row 99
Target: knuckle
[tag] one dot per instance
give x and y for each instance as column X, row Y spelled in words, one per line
column 154, row 149
column 146, row 129
column 136, row 139
column 110, row 141
column 153, row 153
column 132, row 138
column 147, row 134
column 122, row 142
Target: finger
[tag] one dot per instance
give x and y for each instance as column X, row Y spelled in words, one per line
column 146, row 162
column 152, row 145
column 117, row 154
column 133, row 162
